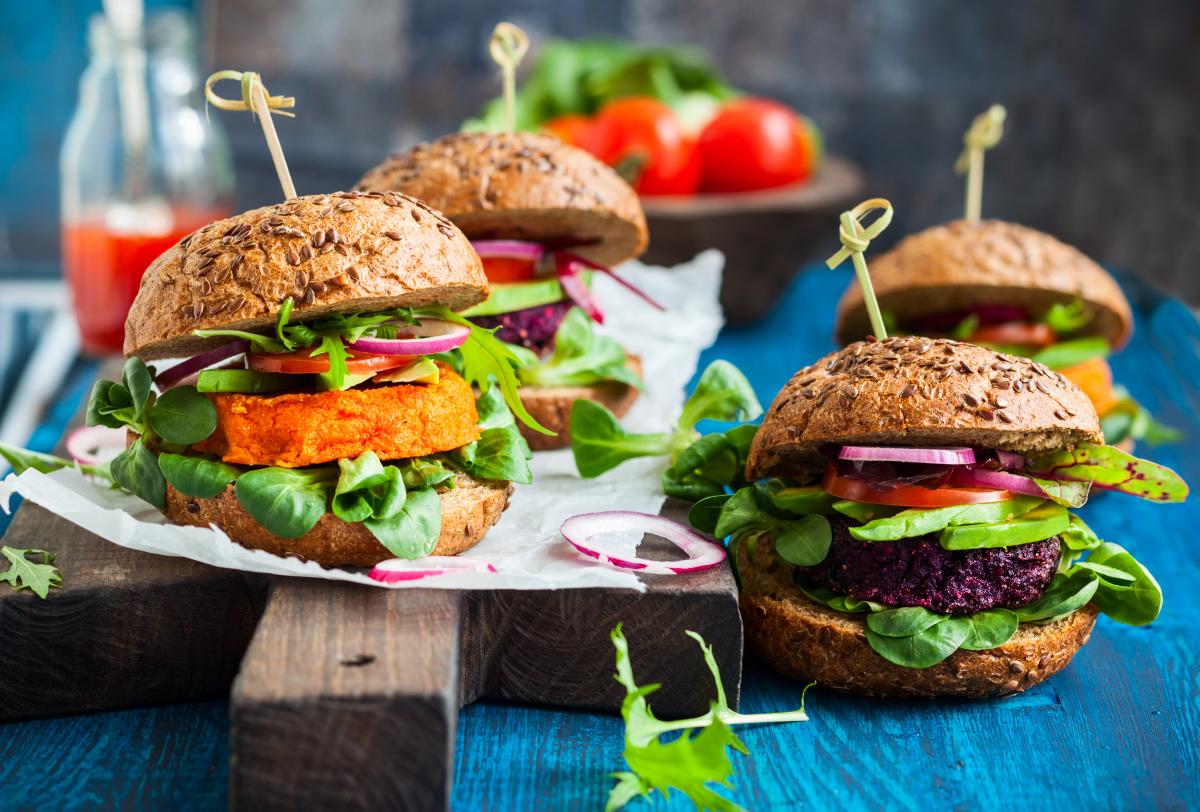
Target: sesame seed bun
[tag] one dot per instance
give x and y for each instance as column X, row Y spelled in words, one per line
column 468, row 512
column 521, row 186
column 343, row 252
column 806, row 640
column 957, row 266
column 919, row 392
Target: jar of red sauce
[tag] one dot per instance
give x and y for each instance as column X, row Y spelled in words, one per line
column 141, row 167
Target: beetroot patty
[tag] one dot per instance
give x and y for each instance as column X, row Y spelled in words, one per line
column 918, row 572
column 533, row 327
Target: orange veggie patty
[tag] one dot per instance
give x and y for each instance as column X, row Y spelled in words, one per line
column 296, row 428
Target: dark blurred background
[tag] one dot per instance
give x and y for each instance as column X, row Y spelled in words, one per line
column 1102, row 147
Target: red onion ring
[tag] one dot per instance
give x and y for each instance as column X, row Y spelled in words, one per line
column 177, row 373
column 932, row 456
column 91, row 445
column 587, row 263
column 430, row 336
column 395, row 570
column 1001, row 480
column 581, row 531
column 573, row 285
column 509, row 249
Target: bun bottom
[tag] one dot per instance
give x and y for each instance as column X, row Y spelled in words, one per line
column 468, row 512
column 551, row 406
column 808, row 641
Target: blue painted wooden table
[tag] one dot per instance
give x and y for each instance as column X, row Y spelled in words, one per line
column 1118, row 729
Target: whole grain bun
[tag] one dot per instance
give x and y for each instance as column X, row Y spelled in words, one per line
column 521, row 186
column 343, row 252
column 808, row 641
column 468, row 512
column 919, row 392
column 957, row 266
column 551, row 406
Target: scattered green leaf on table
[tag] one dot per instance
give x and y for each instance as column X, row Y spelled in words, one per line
column 25, row 573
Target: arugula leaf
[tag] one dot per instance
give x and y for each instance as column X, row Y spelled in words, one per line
column 1038, row 524
column 1136, row 602
column 182, row 415
column 484, row 358
column 333, row 347
column 722, row 393
column 691, row 762
column 258, row 342
column 915, row 522
column 22, row 459
column 1112, row 468
column 197, row 476
column 599, row 443
column 1075, row 351
column 24, row 573
column 136, row 470
column 413, row 532
column 1067, row 318
column 581, row 356
column 286, row 501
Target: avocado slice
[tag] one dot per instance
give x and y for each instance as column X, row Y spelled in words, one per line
column 423, row 370
column 325, row 380
column 507, row 297
column 247, row 381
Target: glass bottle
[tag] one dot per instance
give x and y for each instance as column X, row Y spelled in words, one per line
column 141, row 166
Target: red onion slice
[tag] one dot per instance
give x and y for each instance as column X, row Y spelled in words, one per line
column 625, row 283
column 576, row 289
column 581, row 532
column 426, row 337
column 1001, row 480
column 169, row 377
column 1011, row 460
column 395, row 570
column 932, row 456
column 95, row 445
column 509, row 249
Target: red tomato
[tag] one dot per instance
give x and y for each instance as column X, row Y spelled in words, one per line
column 302, row 362
column 570, row 129
column 756, row 144
column 645, row 141
column 845, row 487
column 508, row 269
column 1015, row 332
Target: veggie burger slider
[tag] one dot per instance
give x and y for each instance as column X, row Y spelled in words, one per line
column 543, row 216
column 321, row 412
column 1014, row 289
column 909, row 532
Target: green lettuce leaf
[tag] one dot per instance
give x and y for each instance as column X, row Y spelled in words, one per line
column 581, row 356
column 1112, row 468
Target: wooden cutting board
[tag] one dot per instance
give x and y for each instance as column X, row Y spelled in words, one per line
column 342, row 696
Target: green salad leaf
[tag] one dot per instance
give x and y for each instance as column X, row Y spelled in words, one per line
column 989, row 629
column 286, row 501
column 1071, row 352
column 1135, row 600
column 691, row 762
column 599, row 443
column 183, row 415
column 803, row 541
column 413, row 531
column 197, row 476
column 1114, row 469
column 22, row 459
column 1038, row 524
column 1129, row 420
column 500, row 452
column 136, row 470
column 426, row 472
column 1064, row 318
column 24, row 572
column 581, row 356
column 922, row 648
column 1065, row 594
column 798, row 500
column 706, row 512
column 915, row 522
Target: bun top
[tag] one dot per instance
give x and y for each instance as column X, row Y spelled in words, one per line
column 345, row 252
column 521, row 186
column 957, row 266
column 919, row 392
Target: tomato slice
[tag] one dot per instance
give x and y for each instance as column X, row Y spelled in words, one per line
column 302, row 362
column 1015, row 332
column 509, row 269
column 917, row 496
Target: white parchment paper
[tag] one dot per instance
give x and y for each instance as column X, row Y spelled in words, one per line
column 525, row 547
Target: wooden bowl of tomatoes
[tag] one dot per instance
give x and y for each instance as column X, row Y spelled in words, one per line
column 745, row 175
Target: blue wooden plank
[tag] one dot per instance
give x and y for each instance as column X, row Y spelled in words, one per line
column 1116, row 730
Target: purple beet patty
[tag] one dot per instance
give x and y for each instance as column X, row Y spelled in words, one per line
column 918, row 572
column 533, row 327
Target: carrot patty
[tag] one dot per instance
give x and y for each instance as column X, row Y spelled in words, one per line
column 296, row 429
